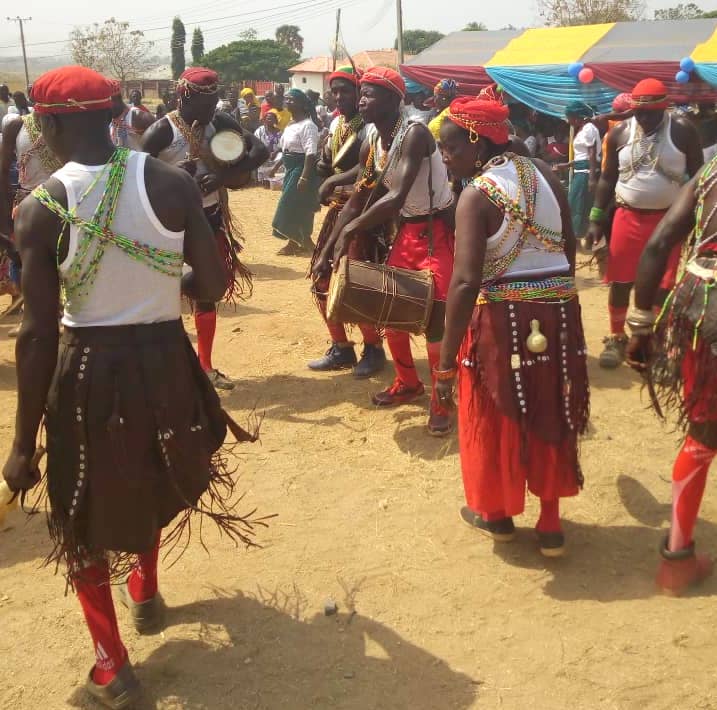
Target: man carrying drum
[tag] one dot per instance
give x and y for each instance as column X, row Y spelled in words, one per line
column 402, row 177
column 182, row 138
column 339, row 162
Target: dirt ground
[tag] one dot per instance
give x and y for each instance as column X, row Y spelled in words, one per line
column 431, row 615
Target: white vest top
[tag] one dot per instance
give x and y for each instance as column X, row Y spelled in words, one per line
column 652, row 168
column 178, row 150
column 125, row 291
column 533, row 260
column 418, row 200
column 122, row 130
column 30, row 168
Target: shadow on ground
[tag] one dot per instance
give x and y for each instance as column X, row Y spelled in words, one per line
column 263, row 653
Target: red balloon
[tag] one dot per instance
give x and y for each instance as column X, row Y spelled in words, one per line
column 586, row 75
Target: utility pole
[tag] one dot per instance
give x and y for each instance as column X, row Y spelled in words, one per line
column 20, row 20
column 336, row 38
column 399, row 27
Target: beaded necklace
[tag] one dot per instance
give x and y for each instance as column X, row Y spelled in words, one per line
column 646, row 152
column 343, row 131
column 193, row 135
column 94, row 235
column 372, row 171
column 39, row 148
column 705, row 184
column 527, row 174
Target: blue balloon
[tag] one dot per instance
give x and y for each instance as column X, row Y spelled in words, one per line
column 682, row 77
column 575, row 68
column 687, row 64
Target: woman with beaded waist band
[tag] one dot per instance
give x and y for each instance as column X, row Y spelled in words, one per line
column 513, row 325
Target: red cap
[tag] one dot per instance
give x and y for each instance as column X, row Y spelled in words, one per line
column 198, row 80
column 71, row 90
column 387, row 78
column 650, row 94
column 347, row 74
column 481, row 117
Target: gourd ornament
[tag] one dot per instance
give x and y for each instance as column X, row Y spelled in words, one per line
column 536, row 342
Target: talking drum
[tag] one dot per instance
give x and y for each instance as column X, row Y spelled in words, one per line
column 227, row 147
column 384, row 296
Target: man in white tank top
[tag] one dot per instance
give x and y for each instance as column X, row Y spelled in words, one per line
column 402, row 176
column 649, row 157
column 182, row 139
column 22, row 143
column 133, row 424
column 128, row 123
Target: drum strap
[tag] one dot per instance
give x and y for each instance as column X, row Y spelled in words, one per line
column 430, row 202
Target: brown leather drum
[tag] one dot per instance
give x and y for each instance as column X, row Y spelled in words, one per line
column 384, row 296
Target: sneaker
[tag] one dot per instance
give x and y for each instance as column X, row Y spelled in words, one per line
column 552, row 544
column 440, row 421
column 680, row 570
column 220, row 380
column 373, row 360
column 502, row 530
column 337, row 357
column 614, row 353
column 398, row 393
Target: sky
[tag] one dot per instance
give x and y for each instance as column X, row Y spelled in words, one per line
column 366, row 24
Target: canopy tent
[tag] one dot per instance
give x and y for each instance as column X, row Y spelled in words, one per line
column 532, row 65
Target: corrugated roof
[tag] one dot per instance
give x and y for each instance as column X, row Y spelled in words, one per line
column 363, row 60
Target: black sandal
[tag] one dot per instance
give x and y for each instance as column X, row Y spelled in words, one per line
column 146, row 616
column 120, row 692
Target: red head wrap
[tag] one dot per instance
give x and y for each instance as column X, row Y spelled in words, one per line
column 347, row 74
column 481, row 117
column 387, row 78
column 622, row 103
column 650, row 94
column 71, row 90
column 198, row 80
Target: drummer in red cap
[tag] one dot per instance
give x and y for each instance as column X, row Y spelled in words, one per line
column 648, row 159
column 182, row 138
column 133, row 426
column 339, row 164
column 402, row 178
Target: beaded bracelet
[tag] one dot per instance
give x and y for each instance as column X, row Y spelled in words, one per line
column 597, row 214
column 443, row 375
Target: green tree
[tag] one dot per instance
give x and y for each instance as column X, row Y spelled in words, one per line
column 561, row 13
column 245, row 60
column 290, row 36
column 709, row 15
column 179, row 39
column 683, row 11
column 249, row 33
column 415, row 41
column 475, row 27
column 197, row 45
column 111, row 48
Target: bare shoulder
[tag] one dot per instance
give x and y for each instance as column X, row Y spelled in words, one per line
column 35, row 225
column 223, row 121
column 418, row 139
column 158, row 136
column 12, row 128
column 684, row 127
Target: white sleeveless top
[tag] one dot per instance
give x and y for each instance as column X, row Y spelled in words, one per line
column 30, row 168
column 534, row 260
column 652, row 168
column 122, row 130
column 178, row 150
column 124, row 291
column 418, row 200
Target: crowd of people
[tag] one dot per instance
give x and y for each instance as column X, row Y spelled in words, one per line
column 467, row 191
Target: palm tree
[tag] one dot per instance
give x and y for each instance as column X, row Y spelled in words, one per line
column 290, row 36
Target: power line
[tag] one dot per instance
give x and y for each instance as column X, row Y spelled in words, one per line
column 19, row 21
column 276, row 12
